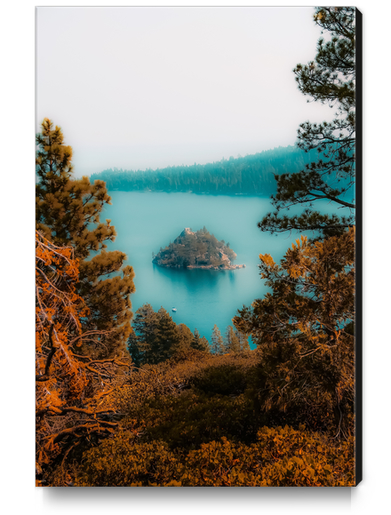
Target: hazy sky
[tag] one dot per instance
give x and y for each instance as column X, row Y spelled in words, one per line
column 140, row 88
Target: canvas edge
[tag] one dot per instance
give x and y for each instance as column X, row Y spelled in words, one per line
column 359, row 252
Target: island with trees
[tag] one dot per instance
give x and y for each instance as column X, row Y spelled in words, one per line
column 198, row 249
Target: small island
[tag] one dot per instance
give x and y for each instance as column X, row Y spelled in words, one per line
column 198, row 249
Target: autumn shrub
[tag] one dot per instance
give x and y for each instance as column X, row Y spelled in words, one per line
column 300, row 458
column 228, row 379
column 173, row 376
column 222, row 463
column 189, row 355
column 193, row 418
column 123, row 461
column 281, row 457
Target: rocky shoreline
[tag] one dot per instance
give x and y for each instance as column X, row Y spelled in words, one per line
column 221, row 267
column 204, row 267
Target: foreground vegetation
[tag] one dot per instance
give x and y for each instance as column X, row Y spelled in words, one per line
column 194, row 421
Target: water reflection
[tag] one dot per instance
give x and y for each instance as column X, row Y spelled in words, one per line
column 195, row 279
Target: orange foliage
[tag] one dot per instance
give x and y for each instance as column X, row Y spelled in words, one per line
column 70, row 386
column 281, row 456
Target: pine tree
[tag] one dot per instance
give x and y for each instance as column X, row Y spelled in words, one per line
column 329, row 79
column 304, row 329
column 199, row 343
column 232, row 343
column 158, row 337
column 134, row 349
column 185, row 337
column 243, row 341
column 67, row 213
column 169, row 339
column 204, row 344
column 217, row 346
column 145, row 325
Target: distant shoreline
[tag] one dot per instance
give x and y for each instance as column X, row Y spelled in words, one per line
column 214, row 194
column 251, row 175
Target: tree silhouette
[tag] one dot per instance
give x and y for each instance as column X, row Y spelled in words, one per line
column 329, row 79
column 67, row 213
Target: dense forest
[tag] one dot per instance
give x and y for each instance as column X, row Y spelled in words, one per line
column 198, row 249
column 134, row 399
column 249, row 175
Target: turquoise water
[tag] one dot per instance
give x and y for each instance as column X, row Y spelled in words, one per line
column 147, row 221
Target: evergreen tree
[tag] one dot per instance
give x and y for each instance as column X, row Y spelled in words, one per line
column 243, row 341
column 204, row 344
column 185, row 337
column 232, row 343
column 145, row 326
column 329, row 79
column 158, row 337
column 217, row 346
column 135, row 350
column 169, row 339
column 304, row 329
column 199, row 343
column 67, row 213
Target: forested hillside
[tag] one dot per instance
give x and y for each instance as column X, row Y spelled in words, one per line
column 249, row 175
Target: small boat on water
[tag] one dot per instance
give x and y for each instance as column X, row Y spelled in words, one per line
column 173, row 309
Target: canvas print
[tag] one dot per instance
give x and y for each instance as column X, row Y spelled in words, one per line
column 198, row 247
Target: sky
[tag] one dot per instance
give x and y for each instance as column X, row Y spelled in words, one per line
column 139, row 88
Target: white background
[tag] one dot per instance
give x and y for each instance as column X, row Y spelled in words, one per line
column 17, row 303
column 155, row 87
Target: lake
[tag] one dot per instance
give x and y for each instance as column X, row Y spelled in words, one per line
column 146, row 221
